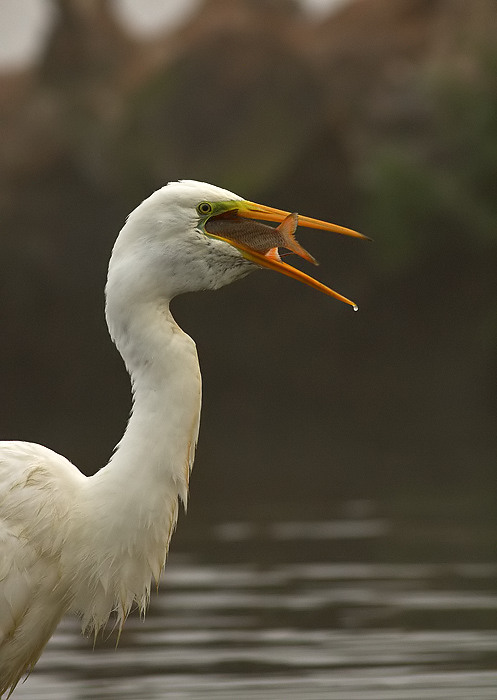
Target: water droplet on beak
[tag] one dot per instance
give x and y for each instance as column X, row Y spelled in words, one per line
column 355, row 307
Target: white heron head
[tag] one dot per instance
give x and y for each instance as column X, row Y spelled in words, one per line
column 190, row 236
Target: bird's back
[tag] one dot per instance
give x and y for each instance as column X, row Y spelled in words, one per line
column 38, row 489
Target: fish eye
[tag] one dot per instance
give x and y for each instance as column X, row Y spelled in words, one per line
column 204, row 208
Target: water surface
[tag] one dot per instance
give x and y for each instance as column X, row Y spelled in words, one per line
column 352, row 607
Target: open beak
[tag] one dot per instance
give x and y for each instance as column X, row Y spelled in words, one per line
column 251, row 210
column 271, row 259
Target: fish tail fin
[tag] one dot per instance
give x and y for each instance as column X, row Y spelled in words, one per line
column 287, row 230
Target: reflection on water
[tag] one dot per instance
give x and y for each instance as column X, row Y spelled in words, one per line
column 308, row 610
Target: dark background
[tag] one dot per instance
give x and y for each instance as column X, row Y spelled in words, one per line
column 382, row 117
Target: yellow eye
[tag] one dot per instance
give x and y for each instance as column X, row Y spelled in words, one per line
column 204, row 208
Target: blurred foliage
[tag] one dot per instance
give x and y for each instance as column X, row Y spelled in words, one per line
column 435, row 186
column 240, row 129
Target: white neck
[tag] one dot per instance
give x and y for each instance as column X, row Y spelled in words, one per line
column 133, row 500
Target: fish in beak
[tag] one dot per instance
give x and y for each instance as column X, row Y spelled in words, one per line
column 260, row 243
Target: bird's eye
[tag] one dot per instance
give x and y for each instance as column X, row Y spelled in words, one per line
column 204, row 208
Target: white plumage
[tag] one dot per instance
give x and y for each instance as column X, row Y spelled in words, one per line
column 93, row 545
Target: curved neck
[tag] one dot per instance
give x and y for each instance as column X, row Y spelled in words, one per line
column 159, row 441
column 133, row 501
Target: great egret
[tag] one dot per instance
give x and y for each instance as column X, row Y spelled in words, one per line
column 92, row 545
